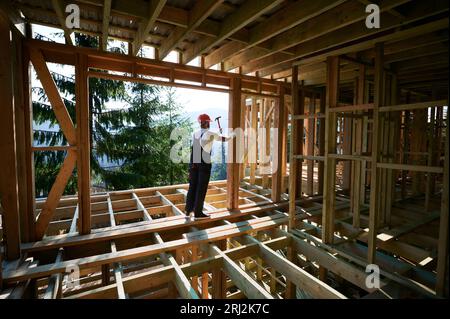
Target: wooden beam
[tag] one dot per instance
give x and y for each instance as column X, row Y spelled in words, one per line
column 330, row 148
column 297, row 275
column 200, row 11
column 248, row 12
column 105, row 23
column 60, row 110
column 374, row 178
column 83, row 145
column 278, row 149
column 240, row 278
column 57, row 6
column 316, row 56
column 234, row 115
column 442, row 266
column 295, row 146
column 253, row 140
column 8, row 182
column 155, row 7
column 55, row 193
column 279, row 28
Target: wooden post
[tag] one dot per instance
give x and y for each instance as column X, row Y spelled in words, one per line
column 20, row 68
column 310, row 146
column 295, row 148
column 321, row 164
column 253, row 146
column 29, row 138
column 284, row 150
column 234, row 115
column 328, row 208
column 83, row 145
column 442, row 261
column 347, row 147
column 357, row 165
column 219, row 282
column 267, row 125
column 8, row 159
column 330, row 147
column 374, row 180
column 242, row 126
column 278, row 147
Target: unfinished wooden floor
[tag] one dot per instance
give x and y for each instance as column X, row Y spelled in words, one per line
column 349, row 167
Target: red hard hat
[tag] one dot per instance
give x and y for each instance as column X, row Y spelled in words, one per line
column 204, row 118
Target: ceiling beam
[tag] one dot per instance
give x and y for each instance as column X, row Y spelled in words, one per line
column 200, row 11
column 57, row 6
column 105, row 23
column 337, row 17
column 154, row 9
column 248, row 12
column 339, row 42
column 346, row 14
column 290, row 16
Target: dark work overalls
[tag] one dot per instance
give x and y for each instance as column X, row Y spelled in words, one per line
column 199, row 174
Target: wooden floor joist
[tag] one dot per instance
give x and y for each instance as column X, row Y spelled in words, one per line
column 367, row 112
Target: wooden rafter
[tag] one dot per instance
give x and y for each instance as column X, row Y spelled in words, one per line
column 244, row 15
column 308, row 29
column 347, row 34
column 57, row 5
column 200, row 11
column 105, row 23
column 154, row 9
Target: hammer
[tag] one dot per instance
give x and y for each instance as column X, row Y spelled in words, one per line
column 218, row 123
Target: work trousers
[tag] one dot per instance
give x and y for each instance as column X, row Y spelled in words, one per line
column 199, row 175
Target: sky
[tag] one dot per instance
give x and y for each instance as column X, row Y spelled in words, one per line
column 193, row 102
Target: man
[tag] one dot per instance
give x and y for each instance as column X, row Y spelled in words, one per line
column 200, row 166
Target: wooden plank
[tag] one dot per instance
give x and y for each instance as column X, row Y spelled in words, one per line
column 278, row 150
column 159, row 225
column 358, row 137
column 83, row 145
column 290, row 16
column 413, row 106
column 182, row 283
column 154, row 9
column 253, row 140
column 310, row 134
column 330, row 147
column 442, row 266
column 321, row 164
column 54, row 288
column 105, row 24
column 200, row 11
column 240, row 278
column 297, row 275
column 294, row 149
column 57, row 6
column 61, row 113
column 248, row 12
column 374, row 178
column 234, row 115
column 413, row 168
column 202, row 236
column 8, row 182
column 55, row 193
